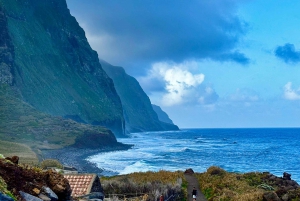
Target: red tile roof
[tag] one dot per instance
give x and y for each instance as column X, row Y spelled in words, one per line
column 81, row 184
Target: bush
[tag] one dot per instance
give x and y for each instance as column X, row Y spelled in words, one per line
column 51, row 163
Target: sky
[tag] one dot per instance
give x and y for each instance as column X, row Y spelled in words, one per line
column 207, row 63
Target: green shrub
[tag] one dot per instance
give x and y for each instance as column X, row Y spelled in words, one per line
column 51, row 163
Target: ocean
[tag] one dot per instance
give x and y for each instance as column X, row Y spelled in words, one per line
column 274, row 150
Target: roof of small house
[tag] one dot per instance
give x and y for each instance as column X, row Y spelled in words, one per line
column 80, row 184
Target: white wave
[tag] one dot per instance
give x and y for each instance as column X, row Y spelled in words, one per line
column 139, row 166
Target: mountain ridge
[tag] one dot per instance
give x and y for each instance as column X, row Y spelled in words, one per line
column 138, row 111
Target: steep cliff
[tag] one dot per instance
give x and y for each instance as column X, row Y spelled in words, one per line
column 162, row 116
column 45, row 55
column 138, row 112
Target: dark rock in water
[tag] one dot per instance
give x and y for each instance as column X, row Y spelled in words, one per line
column 189, row 171
column 50, row 193
column 5, row 197
column 286, row 176
column 271, row 196
column 29, row 197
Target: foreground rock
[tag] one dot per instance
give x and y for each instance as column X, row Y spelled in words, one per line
column 285, row 188
column 23, row 180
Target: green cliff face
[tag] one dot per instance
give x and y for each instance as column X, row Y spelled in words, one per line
column 21, row 123
column 44, row 54
column 138, row 112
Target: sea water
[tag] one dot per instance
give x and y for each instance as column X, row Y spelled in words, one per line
column 274, row 150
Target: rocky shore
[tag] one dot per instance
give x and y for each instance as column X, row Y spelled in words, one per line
column 76, row 157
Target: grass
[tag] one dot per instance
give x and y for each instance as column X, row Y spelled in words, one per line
column 21, row 123
column 217, row 184
column 25, row 153
column 145, row 185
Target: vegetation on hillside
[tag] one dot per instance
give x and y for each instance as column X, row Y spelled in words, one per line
column 21, row 123
column 217, row 184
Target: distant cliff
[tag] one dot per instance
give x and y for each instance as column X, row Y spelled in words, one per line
column 162, row 116
column 138, row 112
column 45, row 55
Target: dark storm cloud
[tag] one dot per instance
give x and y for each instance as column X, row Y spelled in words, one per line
column 288, row 53
column 149, row 31
column 235, row 56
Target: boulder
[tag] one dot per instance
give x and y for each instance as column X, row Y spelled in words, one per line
column 28, row 197
column 5, row 197
column 189, row 171
column 271, row 196
column 44, row 197
column 59, row 185
column 14, row 159
column 286, row 176
column 50, row 193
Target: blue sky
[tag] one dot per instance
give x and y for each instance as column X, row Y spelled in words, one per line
column 208, row 64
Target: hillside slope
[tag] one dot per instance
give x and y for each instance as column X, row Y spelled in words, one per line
column 21, row 123
column 44, row 54
column 138, row 112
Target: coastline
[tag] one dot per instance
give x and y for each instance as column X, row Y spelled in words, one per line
column 76, row 157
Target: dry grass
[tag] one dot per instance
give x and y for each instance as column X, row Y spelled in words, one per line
column 24, row 152
column 144, row 185
column 217, row 184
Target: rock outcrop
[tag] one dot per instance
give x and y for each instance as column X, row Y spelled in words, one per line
column 138, row 112
column 285, row 188
column 29, row 181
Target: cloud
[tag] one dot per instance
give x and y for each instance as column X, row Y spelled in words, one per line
column 235, row 56
column 288, row 53
column 180, row 85
column 291, row 94
column 244, row 95
column 139, row 32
